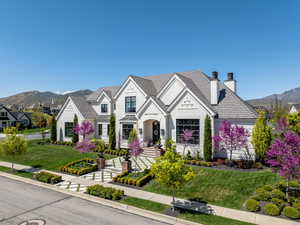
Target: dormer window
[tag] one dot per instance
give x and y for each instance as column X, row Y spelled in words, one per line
column 130, row 104
column 104, row 108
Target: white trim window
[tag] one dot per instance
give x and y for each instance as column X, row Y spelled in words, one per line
column 187, row 124
column 130, row 104
column 104, row 108
column 126, row 129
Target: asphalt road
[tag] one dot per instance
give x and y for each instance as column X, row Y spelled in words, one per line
column 20, row 202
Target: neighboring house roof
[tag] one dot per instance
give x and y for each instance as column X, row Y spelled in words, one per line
column 84, row 107
column 8, row 111
column 297, row 106
column 230, row 105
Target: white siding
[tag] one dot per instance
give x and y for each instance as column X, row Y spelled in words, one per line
column 67, row 115
column 172, row 91
column 103, row 100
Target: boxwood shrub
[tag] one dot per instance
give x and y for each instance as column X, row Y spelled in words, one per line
column 121, row 178
column 252, row 205
column 105, row 192
column 271, row 209
column 276, row 193
column 49, row 178
column 291, row 212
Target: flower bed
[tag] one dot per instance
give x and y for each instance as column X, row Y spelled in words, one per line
column 271, row 200
column 105, row 192
column 136, row 179
column 49, row 178
column 199, row 163
column 80, row 167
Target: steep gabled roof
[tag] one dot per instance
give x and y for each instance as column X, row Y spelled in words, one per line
column 110, row 91
column 297, row 106
column 84, row 107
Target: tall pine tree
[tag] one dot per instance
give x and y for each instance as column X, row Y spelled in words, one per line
column 75, row 137
column 53, row 130
column 261, row 136
column 207, row 148
column 112, row 132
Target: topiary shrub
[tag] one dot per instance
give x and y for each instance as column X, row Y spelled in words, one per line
column 296, row 205
column 271, row 209
column 278, row 202
column 294, row 184
column 281, row 186
column 267, row 187
column 276, row 193
column 252, row 205
column 262, row 195
column 291, row 212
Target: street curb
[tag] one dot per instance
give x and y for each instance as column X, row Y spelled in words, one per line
column 109, row 203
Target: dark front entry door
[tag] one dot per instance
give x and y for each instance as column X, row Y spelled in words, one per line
column 156, row 131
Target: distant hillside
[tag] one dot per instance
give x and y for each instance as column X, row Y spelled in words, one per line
column 287, row 97
column 35, row 97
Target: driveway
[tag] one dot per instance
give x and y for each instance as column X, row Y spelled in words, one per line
column 21, row 202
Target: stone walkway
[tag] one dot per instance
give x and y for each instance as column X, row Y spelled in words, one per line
column 79, row 184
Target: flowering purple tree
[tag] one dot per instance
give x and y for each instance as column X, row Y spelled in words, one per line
column 84, row 129
column 187, row 135
column 284, row 156
column 135, row 148
column 231, row 137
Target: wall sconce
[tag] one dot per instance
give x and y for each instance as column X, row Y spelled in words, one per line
column 162, row 131
column 140, row 130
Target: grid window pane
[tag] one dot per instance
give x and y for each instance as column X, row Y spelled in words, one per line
column 104, row 108
column 187, row 124
column 108, row 127
column 130, row 104
column 126, row 128
column 69, row 129
column 99, row 129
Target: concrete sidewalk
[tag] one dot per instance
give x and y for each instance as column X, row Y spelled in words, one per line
column 164, row 199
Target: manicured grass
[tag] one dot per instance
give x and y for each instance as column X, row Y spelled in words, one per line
column 195, row 217
column 33, row 130
column 49, row 157
column 220, row 187
column 16, row 172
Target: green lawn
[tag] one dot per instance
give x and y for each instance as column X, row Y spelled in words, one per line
column 195, row 217
column 220, row 187
column 33, row 130
column 16, row 172
column 50, row 157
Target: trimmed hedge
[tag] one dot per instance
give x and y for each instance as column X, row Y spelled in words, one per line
column 271, row 209
column 80, row 171
column 105, row 192
column 121, row 178
column 252, row 205
column 291, row 212
column 49, row 178
column 198, row 163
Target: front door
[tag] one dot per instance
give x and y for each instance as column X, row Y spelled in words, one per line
column 156, row 132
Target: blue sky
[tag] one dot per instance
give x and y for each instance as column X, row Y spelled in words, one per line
column 69, row 45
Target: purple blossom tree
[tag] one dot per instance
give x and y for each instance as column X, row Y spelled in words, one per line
column 135, row 148
column 84, row 129
column 281, row 126
column 231, row 137
column 187, row 135
column 284, row 157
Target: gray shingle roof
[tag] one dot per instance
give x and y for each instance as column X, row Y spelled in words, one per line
column 84, row 107
column 230, row 105
column 129, row 118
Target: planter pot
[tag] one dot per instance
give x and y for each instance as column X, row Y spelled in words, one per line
column 126, row 166
column 101, row 163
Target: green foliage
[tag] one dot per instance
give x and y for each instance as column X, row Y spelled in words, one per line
column 132, row 136
column 296, row 205
column 277, row 194
column 53, row 129
column 170, row 170
column 294, row 121
column 48, row 177
column 100, row 145
column 291, row 212
column 294, row 183
column 112, row 132
column 262, row 194
column 140, row 180
column 261, row 136
column 252, row 205
column 13, row 145
column 105, row 192
column 271, row 209
column 75, row 137
column 207, row 148
column 169, row 143
column 40, row 119
column 278, row 202
column 10, row 130
column 267, row 187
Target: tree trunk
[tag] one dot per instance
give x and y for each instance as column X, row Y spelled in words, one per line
column 173, row 200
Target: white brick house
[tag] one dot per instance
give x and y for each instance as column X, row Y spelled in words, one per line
column 159, row 107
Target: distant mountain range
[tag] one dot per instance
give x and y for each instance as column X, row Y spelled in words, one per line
column 30, row 98
column 35, row 97
column 287, row 97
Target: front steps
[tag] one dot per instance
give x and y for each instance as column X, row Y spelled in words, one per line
column 150, row 152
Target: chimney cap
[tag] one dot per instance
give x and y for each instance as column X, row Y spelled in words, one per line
column 214, row 75
column 230, row 76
